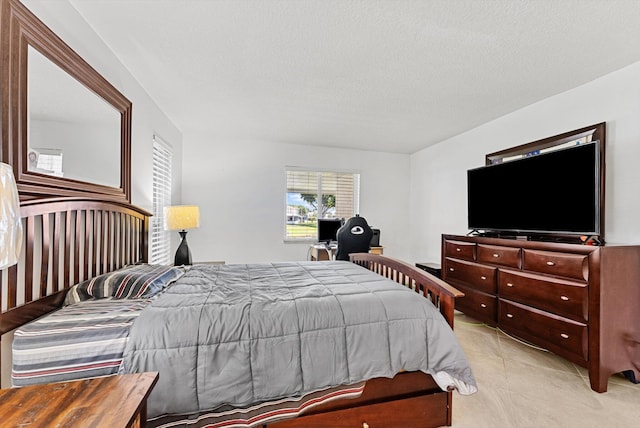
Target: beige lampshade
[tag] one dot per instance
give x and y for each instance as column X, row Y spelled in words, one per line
column 180, row 217
column 10, row 222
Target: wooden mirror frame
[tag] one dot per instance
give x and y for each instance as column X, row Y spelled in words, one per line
column 594, row 132
column 20, row 28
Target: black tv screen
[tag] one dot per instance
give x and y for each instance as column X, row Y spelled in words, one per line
column 554, row 192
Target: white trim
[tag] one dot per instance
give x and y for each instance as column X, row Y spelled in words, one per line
column 160, row 242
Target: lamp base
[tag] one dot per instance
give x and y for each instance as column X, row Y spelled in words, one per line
column 183, row 254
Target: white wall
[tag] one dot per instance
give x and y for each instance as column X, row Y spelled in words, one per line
column 240, row 188
column 438, row 173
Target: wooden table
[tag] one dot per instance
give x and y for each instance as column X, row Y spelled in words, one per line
column 113, row 401
column 321, row 252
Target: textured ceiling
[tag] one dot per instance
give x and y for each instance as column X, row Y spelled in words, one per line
column 391, row 75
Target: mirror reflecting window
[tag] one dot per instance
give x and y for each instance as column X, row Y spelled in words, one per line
column 66, row 130
column 72, row 132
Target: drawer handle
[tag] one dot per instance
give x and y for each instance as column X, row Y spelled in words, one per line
column 496, row 255
column 509, row 315
column 509, row 284
column 483, row 305
column 564, row 336
column 458, row 249
column 483, row 277
column 451, row 269
column 551, row 264
column 365, row 425
column 565, row 298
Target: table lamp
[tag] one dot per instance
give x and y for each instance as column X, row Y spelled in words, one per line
column 182, row 217
column 10, row 221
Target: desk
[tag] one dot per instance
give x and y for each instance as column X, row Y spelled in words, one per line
column 113, row 402
column 319, row 252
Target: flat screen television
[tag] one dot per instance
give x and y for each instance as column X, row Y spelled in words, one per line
column 558, row 192
column 328, row 228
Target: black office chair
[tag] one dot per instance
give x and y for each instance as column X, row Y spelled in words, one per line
column 353, row 237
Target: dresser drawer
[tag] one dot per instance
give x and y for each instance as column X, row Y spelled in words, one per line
column 560, row 264
column 562, row 335
column 478, row 305
column 470, row 274
column 497, row 255
column 559, row 296
column 460, row 250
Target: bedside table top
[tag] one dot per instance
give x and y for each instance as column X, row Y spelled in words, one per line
column 113, row 401
column 214, row 262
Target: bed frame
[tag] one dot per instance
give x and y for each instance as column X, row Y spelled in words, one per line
column 68, row 241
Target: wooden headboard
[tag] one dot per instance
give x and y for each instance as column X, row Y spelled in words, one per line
column 66, row 242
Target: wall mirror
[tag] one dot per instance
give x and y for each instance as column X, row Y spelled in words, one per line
column 65, row 129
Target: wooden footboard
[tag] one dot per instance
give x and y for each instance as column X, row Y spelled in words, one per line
column 410, row 399
column 441, row 294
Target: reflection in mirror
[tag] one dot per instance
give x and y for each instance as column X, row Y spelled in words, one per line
column 45, row 161
column 72, row 132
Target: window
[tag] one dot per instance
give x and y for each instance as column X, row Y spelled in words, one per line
column 47, row 161
column 318, row 194
column 160, row 239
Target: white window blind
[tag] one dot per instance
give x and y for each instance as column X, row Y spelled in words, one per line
column 48, row 161
column 160, row 239
column 318, row 194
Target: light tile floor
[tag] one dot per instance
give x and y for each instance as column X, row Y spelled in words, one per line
column 520, row 386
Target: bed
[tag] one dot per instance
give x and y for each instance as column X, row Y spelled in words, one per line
column 73, row 241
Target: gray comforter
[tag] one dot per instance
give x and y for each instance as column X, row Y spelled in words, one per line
column 240, row 334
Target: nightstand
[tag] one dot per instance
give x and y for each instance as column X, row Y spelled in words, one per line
column 217, row 262
column 113, row 402
column 433, row 268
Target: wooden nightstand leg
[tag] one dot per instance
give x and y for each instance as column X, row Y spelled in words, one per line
column 142, row 416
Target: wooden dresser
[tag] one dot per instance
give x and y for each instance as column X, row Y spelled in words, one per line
column 581, row 302
column 112, row 401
